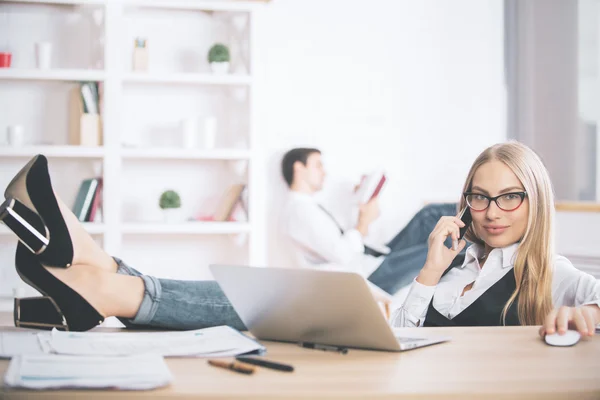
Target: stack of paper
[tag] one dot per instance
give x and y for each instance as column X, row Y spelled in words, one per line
column 123, row 360
column 220, row 341
column 20, row 342
column 50, row 371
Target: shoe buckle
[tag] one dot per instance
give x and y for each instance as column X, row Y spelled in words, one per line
column 7, row 209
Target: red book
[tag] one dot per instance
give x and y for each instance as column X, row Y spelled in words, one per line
column 370, row 187
column 95, row 202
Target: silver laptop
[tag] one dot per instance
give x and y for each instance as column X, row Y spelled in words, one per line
column 304, row 305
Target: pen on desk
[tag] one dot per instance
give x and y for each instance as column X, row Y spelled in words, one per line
column 265, row 363
column 234, row 366
column 324, row 347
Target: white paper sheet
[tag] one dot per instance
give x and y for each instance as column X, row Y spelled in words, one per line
column 220, row 341
column 51, row 371
column 20, row 342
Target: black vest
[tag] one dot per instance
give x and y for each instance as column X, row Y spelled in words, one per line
column 486, row 310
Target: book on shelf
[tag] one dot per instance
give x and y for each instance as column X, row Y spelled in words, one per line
column 228, row 202
column 95, row 213
column 88, row 200
column 232, row 206
column 85, row 122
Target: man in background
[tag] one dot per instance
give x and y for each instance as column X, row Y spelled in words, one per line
column 318, row 241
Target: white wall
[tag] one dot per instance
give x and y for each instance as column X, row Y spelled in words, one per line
column 416, row 87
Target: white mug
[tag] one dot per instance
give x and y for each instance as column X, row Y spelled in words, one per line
column 15, row 135
column 210, row 132
column 189, row 127
column 18, row 292
column 43, row 54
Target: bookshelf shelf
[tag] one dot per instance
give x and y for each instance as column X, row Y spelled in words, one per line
column 195, row 5
column 187, row 79
column 186, row 228
column 59, row 2
column 158, row 4
column 51, row 74
column 52, row 152
column 186, row 154
column 91, row 228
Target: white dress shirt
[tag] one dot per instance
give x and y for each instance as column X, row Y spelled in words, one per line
column 570, row 286
column 315, row 240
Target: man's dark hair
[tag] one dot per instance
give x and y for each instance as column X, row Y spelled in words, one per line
column 290, row 158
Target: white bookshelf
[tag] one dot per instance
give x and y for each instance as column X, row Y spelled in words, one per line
column 123, row 167
column 52, row 152
column 186, row 228
column 59, row 2
column 73, row 75
column 187, row 79
column 185, row 154
column 193, row 5
column 91, row 228
column 189, row 5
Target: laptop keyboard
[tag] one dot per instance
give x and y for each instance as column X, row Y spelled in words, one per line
column 402, row 339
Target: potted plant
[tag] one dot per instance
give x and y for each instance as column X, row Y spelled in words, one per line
column 169, row 202
column 218, row 57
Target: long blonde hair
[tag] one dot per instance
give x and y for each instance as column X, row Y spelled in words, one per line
column 534, row 260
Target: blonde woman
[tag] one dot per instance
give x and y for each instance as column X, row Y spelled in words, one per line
column 510, row 275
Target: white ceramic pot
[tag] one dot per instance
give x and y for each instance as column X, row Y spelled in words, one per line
column 43, row 55
column 172, row 215
column 210, row 132
column 15, row 135
column 189, row 127
column 219, row 67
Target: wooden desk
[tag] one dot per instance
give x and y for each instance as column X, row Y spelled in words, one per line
column 479, row 363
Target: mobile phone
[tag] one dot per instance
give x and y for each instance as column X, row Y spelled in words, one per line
column 465, row 216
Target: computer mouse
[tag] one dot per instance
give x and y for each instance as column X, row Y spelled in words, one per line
column 569, row 338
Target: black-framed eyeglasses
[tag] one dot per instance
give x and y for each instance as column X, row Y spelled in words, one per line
column 506, row 202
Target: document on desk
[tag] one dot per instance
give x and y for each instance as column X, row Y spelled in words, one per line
column 20, row 342
column 220, row 341
column 52, row 371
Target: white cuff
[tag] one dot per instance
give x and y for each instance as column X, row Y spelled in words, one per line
column 355, row 239
column 418, row 299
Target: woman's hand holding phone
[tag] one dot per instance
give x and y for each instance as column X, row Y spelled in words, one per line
column 439, row 257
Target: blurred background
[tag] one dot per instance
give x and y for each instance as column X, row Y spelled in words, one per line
column 202, row 98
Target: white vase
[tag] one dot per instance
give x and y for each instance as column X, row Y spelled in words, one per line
column 210, row 132
column 189, row 128
column 43, row 55
column 171, row 215
column 220, row 68
column 15, row 135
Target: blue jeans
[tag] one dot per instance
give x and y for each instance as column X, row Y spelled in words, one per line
column 174, row 304
column 409, row 249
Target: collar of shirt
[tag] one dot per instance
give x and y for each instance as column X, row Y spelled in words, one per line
column 505, row 254
column 302, row 196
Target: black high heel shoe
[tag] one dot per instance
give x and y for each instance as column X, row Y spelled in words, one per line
column 31, row 211
column 61, row 307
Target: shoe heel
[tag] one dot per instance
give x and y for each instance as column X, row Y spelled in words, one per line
column 26, row 224
column 39, row 313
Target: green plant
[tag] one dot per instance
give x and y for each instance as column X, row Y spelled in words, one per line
column 169, row 199
column 218, row 53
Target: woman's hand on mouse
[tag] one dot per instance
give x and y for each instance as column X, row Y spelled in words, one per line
column 439, row 257
column 582, row 319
